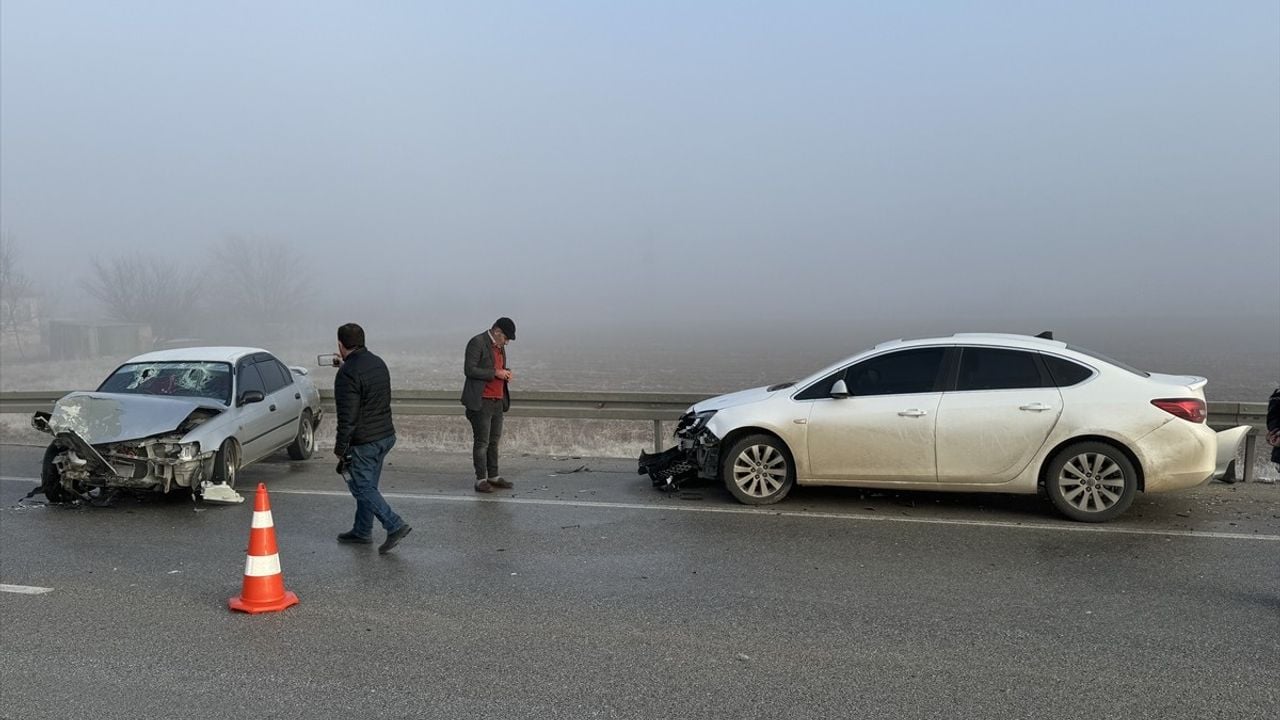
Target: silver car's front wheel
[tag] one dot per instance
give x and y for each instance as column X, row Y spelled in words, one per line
column 758, row 470
column 1091, row 481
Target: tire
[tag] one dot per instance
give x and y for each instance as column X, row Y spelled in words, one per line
column 304, row 444
column 226, row 464
column 758, row 470
column 51, row 479
column 1091, row 482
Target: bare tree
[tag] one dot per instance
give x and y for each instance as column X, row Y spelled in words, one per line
column 150, row 289
column 15, row 294
column 264, row 280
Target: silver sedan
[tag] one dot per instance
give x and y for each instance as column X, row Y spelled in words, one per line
column 186, row 419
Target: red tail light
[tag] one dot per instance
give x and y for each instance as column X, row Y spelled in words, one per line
column 1189, row 409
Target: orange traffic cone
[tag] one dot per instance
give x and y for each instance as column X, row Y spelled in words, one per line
column 263, row 589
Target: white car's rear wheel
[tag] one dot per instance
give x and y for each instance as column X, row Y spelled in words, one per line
column 1091, row 482
column 758, row 470
column 304, row 445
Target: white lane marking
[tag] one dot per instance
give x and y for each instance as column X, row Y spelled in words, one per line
column 24, row 589
column 799, row 514
column 1080, row 528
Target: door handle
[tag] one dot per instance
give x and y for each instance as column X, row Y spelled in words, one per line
column 272, row 408
column 913, row 412
column 1035, row 407
column 297, row 396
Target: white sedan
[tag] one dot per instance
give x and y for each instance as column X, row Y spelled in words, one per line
column 969, row 413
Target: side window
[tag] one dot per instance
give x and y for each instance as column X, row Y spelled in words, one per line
column 899, row 373
column 284, row 370
column 997, row 369
column 1066, row 373
column 271, row 375
column 247, row 378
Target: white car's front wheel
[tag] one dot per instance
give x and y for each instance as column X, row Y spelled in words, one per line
column 758, row 470
column 1091, row 482
column 226, row 464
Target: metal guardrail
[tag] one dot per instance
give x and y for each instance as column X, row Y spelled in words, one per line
column 636, row 406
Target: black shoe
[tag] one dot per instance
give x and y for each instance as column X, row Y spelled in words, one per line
column 483, row 486
column 350, row 538
column 393, row 539
column 500, row 483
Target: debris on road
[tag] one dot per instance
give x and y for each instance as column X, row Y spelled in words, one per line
column 579, row 469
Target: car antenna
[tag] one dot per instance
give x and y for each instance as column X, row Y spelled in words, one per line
column 1046, row 335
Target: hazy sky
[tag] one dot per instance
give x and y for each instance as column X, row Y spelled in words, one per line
column 596, row 163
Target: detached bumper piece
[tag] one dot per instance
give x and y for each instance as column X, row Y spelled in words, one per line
column 669, row 468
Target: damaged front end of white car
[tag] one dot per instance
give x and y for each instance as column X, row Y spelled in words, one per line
column 105, row 443
column 695, row 456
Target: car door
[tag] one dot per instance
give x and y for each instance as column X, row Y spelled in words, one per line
column 255, row 420
column 1001, row 411
column 284, row 397
column 884, row 430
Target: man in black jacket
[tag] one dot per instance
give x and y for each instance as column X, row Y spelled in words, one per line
column 486, row 395
column 362, row 394
column 1273, row 426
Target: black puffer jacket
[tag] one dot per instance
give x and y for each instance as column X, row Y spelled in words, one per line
column 362, row 394
column 1273, row 422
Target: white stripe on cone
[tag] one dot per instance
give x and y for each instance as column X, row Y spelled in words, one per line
column 262, row 519
column 262, row 565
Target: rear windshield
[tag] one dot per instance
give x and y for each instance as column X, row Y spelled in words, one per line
column 1105, row 359
column 180, row 379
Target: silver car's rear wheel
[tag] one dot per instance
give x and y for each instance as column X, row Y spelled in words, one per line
column 1091, row 481
column 758, row 470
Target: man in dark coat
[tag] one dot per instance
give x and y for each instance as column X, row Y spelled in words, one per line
column 487, row 396
column 1273, row 425
column 362, row 395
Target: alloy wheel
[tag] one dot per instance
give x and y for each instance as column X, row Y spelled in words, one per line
column 760, row 470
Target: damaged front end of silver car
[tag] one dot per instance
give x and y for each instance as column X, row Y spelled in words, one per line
column 696, row 456
column 104, row 445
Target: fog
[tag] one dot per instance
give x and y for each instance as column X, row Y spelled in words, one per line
column 662, row 171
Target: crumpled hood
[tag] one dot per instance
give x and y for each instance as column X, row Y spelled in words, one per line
column 102, row 418
column 742, row 397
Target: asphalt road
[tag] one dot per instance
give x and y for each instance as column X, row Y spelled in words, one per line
column 589, row 595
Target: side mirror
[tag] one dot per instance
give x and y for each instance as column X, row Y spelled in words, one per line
column 252, row 396
column 839, row 390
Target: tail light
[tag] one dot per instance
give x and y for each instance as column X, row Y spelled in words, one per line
column 1189, row 409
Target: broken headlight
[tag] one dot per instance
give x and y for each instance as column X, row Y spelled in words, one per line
column 182, row 451
column 692, row 423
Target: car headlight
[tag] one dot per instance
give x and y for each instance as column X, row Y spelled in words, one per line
column 188, row 451
column 692, row 422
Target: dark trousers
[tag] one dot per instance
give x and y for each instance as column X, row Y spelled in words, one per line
column 363, row 473
column 486, row 431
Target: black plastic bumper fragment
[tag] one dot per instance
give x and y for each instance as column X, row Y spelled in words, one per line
column 669, row 468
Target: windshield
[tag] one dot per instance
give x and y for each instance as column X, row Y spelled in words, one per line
column 210, row 380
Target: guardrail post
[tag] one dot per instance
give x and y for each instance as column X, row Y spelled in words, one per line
column 1250, row 456
column 657, row 436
